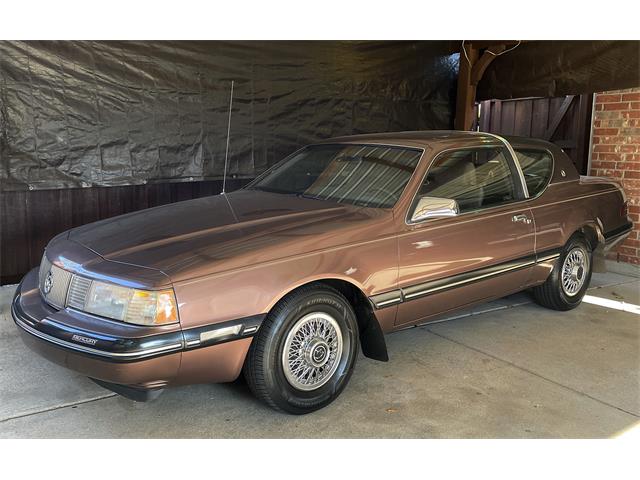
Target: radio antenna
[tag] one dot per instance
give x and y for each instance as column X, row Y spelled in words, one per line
column 226, row 153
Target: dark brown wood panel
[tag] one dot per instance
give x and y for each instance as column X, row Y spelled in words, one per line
column 539, row 117
column 29, row 219
column 507, row 122
column 566, row 121
column 523, row 116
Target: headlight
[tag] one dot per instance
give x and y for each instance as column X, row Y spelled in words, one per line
column 129, row 305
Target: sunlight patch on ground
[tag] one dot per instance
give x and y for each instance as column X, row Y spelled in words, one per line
column 631, row 432
column 614, row 304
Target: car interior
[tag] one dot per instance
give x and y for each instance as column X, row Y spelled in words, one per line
column 474, row 178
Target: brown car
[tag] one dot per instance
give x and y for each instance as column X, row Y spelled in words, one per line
column 333, row 247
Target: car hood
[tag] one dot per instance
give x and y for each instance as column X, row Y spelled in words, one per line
column 217, row 233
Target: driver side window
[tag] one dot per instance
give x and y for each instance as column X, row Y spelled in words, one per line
column 475, row 178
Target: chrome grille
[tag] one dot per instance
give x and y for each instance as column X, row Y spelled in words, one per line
column 45, row 266
column 78, row 291
column 61, row 278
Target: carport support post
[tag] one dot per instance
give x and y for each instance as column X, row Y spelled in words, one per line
column 466, row 96
column 472, row 67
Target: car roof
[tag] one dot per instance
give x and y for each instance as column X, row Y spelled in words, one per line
column 424, row 138
column 529, row 142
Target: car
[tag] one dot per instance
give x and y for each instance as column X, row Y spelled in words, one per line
column 335, row 246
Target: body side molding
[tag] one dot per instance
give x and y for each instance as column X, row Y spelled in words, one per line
column 419, row 290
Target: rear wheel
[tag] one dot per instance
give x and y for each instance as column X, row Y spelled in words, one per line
column 569, row 280
column 305, row 350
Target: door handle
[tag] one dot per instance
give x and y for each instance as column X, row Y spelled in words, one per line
column 521, row 218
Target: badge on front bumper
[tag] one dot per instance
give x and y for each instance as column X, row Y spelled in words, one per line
column 85, row 340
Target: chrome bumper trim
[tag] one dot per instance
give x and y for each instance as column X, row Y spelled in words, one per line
column 92, row 351
column 614, row 235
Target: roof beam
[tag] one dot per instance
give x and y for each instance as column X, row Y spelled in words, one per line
column 472, row 68
column 483, row 62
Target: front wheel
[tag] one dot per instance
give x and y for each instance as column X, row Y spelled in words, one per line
column 569, row 280
column 304, row 353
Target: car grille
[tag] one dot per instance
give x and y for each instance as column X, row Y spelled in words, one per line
column 78, row 291
column 59, row 283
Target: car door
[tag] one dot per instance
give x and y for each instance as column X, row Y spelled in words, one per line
column 485, row 251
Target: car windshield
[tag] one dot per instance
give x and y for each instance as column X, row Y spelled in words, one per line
column 363, row 175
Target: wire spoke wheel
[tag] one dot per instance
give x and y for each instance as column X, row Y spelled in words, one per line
column 312, row 351
column 574, row 271
column 304, row 352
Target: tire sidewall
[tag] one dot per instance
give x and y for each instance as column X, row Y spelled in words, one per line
column 282, row 392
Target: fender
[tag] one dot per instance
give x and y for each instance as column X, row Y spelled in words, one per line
column 371, row 335
column 593, row 232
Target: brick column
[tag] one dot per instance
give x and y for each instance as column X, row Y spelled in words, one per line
column 616, row 154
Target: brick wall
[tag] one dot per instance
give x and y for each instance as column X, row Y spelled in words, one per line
column 616, row 154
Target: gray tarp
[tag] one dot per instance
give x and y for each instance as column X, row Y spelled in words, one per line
column 120, row 113
column 562, row 67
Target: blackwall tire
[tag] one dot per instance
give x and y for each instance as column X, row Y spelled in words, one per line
column 305, row 351
column 569, row 279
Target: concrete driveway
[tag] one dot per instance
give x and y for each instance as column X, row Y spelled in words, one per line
column 507, row 369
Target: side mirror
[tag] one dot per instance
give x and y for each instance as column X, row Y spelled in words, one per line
column 434, row 207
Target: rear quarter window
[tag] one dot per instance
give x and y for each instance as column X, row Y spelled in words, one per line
column 537, row 167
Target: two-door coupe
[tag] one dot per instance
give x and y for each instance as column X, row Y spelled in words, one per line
column 337, row 244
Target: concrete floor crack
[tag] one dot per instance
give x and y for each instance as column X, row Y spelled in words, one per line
column 57, row 407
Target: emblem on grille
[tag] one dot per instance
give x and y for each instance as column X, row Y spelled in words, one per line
column 48, row 283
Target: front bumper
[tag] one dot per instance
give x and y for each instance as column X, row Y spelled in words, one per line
column 123, row 354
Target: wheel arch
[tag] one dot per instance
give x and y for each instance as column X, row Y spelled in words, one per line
column 592, row 232
column 370, row 333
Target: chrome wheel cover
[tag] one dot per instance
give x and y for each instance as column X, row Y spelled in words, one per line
column 312, row 351
column 574, row 271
